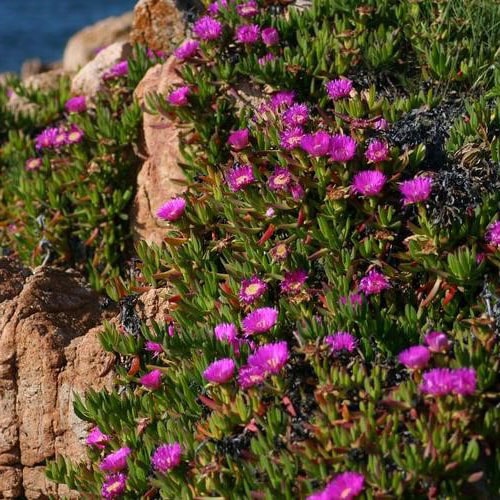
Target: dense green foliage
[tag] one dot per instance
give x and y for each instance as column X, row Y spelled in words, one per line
column 430, row 69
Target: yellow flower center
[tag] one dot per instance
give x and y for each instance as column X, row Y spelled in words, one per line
column 252, row 289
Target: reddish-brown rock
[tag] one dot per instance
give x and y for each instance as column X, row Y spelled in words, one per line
column 159, row 176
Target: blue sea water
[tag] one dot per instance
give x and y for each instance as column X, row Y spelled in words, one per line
column 41, row 28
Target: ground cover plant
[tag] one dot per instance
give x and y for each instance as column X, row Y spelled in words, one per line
column 331, row 269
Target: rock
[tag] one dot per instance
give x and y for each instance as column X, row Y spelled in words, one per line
column 158, row 24
column 153, row 306
column 31, row 67
column 48, row 349
column 83, row 46
column 88, row 80
column 155, row 181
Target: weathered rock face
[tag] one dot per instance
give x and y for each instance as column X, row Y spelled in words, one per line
column 48, row 350
column 83, row 46
column 89, row 80
column 156, row 179
column 159, row 24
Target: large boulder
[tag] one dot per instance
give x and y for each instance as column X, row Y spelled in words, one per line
column 83, row 46
column 49, row 350
column 158, row 177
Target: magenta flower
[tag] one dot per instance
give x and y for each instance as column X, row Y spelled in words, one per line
column 317, row 144
column 374, row 282
column 239, row 177
column 279, row 253
column 437, row 341
column 116, row 71
column 188, row 49
column 172, row 210
column 342, row 148
column 416, row 190
column 151, row 380
column 415, row 358
column 252, row 289
column 248, row 376
column 33, row 164
column 61, row 139
column 207, row 28
column 442, row 381
column 493, row 233
column 74, row 135
column 341, row 341
column 220, row 371
column 239, row 139
column 46, row 138
column 337, row 89
column 166, row 457
column 226, row 332
column 345, row 486
column 291, row 138
column 381, row 124
column 354, row 299
column 297, row 191
column 377, row 151
column 282, row 99
column 77, row 104
column 265, row 59
column 293, row 282
column 260, row 321
column 369, row 182
column 97, row 438
column 154, row 347
column 270, row 36
column 270, row 358
column 296, row 115
column 179, row 97
column 113, row 485
column 214, row 7
column 247, row 34
column 248, row 9
column 280, row 180
column 116, row 461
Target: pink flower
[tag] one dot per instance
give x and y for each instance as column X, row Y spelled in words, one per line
column 116, row 71
column 280, row 180
column 354, row 299
column 116, row 461
column 166, row 457
column 188, row 49
column 270, row 36
column 97, row 438
column 291, row 138
column 381, row 124
column 416, row 190
column 46, row 138
column 260, row 321
column 415, row 358
column 337, row 89
column 207, row 28
column 248, row 376
column 226, row 332
column 239, row 177
column 341, row 341
column 74, row 135
column 220, row 371
column 76, row 104
column 293, row 282
column 296, row 115
column 437, row 341
column 345, row 486
column 172, row 210
column 154, row 347
column 270, row 358
column 377, row 151
column 374, row 282
column 248, row 9
column 282, row 99
column 179, row 97
column 214, row 7
column 239, row 139
column 113, row 485
column 342, row 148
column 369, row 182
column 493, row 233
column 33, row 164
column 151, row 380
column 442, row 381
column 252, row 289
column 61, row 139
column 297, row 191
column 265, row 59
column 317, row 144
column 279, row 253
column 247, row 33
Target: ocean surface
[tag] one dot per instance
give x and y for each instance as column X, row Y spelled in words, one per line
column 40, row 28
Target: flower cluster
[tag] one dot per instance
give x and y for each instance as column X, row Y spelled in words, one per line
column 443, row 381
column 58, row 137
